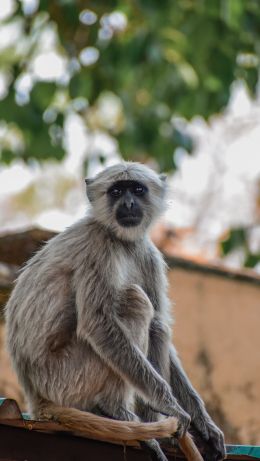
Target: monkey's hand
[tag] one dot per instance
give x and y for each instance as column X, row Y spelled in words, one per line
column 208, row 436
column 167, row 405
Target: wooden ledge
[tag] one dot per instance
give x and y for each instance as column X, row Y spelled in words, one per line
column 23, row 438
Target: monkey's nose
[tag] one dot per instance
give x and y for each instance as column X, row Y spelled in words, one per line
column 129, row 202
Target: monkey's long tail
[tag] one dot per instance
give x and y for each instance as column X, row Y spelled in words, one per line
column 189, row 448
column 98, row 427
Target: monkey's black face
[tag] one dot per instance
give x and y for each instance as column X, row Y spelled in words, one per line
column 127, row 196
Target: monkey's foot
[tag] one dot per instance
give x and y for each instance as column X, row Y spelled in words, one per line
column 209, row 439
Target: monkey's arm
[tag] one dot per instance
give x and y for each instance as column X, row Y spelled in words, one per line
column 98, row 324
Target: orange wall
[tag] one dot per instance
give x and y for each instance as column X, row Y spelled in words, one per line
column 217, row 334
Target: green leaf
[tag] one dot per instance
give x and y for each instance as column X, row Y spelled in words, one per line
column 252, row 260
column 7, row 156
column 42, row 94
column 236, row 238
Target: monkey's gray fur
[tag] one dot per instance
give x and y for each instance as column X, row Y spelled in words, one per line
column 88, row 322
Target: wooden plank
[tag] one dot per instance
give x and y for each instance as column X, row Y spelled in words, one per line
column 14, row 424
column 19, row 444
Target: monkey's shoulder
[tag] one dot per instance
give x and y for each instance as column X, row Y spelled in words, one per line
column 80, row 238
column 153, row 256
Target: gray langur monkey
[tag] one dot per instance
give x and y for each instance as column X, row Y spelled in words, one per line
column 88, row 321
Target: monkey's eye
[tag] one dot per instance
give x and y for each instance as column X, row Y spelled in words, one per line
column 139, row 190
column 116, row 192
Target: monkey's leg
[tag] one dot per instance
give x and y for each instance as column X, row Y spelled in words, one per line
column 119, row 412
column 164, row 358
column 135, row 314
column 211, row 438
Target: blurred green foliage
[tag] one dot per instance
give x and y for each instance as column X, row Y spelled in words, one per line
column 161, row 60
column 239, row 239
column 236, row 238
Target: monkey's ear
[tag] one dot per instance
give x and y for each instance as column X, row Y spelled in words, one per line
column 89, row 181
column 163, row 177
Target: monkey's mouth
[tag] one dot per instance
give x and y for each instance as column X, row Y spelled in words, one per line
column 129, row 217
column 128, row 220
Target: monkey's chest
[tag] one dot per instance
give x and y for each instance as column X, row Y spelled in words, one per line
column 128, row 272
